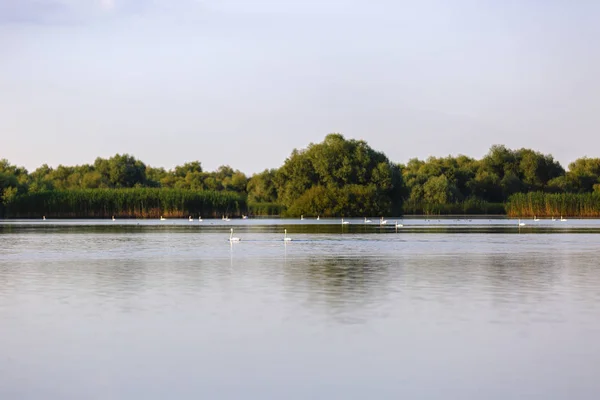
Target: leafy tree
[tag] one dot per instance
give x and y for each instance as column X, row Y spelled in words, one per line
column 335, row 164
column 261, row 187
column 439, row 190
column 583, row 174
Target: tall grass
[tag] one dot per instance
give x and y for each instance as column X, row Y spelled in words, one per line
column 126, row 203
column 553, row 204
column 469, row 206
column 265, row 209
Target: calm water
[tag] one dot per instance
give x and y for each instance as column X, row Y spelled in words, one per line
column 438, row 310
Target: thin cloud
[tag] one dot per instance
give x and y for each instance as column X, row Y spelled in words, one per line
column 66, row 11
column 107, row 4
column 32, row 11
column 59, row 12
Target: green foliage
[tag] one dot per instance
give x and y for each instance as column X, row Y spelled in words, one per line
column 554, row 204
column 136, row 202
column 265, row 209
column 261, row 187
column 471, row 206
column 583, row 174
column 349, row 200
column 494, row 178
column 339, row 177
column 439, row 190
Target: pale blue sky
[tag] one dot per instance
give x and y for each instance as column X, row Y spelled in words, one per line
column 244, row 82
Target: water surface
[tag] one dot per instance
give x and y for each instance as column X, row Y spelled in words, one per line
column 438, row 310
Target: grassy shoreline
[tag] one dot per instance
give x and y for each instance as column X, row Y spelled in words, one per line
column 149, row 203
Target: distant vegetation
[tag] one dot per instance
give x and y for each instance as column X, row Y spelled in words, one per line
column 554, row 205
column 337, row 177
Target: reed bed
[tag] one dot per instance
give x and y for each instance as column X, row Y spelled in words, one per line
column 126, row 203
column 582, row 205
column 469, row 207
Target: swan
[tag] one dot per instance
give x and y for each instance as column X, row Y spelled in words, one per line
column 318, row 218
column 233, row 239
column 44, row 218
column 367, row 221
column 521, row 223
column 190, row 218
column 382, row 221
column 244, row 217
column 200, row 218
column 562, row 219
column 162, row 218
column 285, row 237
column 225, row 218
column 113, row 218
column 535, row 218
column 398, row 225
column 302, row 218
column 345, row 222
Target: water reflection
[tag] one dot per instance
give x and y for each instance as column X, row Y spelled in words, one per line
column 347, row 313
column 345, row 287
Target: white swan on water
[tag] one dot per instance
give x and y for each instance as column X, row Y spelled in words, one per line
column 535, row 218
column 521, row 223
column 285, row 236
column 382, row 221
column 318, row 217
column 233, row 239
column 190, row 218
column 562, row 219
column 162, row 218
column 113, row 218
column 367, row 221
column 345, row 222
column 200, row 218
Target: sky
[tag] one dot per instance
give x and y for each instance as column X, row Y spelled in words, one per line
column 242, row 83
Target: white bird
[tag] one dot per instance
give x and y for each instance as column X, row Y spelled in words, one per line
column 285, row 237
column 113, row 218
column 162, row 218
column 44, row 218
column 200, row 218
column 302, row 218
column 345, row 222
column 553, row 219
column 367, row 221
column 382, row 221
column 562, row 219
column 521, row 223
column 190, row 218
column 535, row 218
column 244, row 217
column 233, row 239
column 318, row 217
column 398, row 225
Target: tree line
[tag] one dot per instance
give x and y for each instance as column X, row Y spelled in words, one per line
column 337, row 177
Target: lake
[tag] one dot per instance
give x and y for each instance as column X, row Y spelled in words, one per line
column 436, row 309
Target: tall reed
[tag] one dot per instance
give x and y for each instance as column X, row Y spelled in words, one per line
column 126, row 203
column 469, row 207
column 553, row 204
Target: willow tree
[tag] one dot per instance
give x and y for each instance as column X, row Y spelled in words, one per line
column 352, row 176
